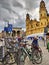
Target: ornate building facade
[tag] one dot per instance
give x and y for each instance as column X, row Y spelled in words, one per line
column 34, row 26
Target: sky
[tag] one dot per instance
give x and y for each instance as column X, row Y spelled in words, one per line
column 14, row 11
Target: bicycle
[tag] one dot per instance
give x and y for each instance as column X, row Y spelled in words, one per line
column 35, row 56
column 19, row 55
column 9, row 55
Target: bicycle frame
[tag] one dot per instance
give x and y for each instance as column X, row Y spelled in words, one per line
column 25, row 50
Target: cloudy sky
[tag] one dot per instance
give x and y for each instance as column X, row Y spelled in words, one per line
column 14, row 11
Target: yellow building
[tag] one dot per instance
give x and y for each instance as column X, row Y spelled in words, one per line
column 34, row 26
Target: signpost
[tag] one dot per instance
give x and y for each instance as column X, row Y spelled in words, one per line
column 9, row 28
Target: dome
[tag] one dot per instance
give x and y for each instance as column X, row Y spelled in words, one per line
column 27, row 14
column 42, row 1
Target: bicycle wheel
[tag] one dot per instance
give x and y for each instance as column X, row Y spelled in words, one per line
column 8, row 59
column 37, row 56
column 20, row 57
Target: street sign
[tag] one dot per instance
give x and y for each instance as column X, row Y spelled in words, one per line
column 9, row 28
column 6, row 29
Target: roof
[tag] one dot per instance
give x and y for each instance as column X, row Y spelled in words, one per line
column 17, row 28
column 36, row 34
column 42, row 1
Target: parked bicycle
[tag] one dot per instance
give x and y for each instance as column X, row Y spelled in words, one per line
column 18, row 55
column 11, row 54
column 35, row 56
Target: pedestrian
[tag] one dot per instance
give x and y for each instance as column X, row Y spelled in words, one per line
column 44, row 40
column 35, row 42
column 14, row 37
column 19, row 36
column 13, row 34
column 47, row 40
column 35, row 46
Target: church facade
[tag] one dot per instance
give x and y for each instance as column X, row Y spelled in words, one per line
column 34, row 26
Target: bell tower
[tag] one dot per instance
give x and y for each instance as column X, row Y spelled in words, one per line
column 43, row 10
column 27, row 23
column 43, row 13
column 27, row 17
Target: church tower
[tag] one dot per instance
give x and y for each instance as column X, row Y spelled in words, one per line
column 34, row 26
column 27, row 17
column 27, row 23
column 43, row 14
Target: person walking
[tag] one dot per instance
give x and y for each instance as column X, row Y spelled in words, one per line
column 35, row 42
column 47, row 41
column 34, row 47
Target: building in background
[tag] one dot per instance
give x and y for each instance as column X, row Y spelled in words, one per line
column 18, row 28
column 34, row 26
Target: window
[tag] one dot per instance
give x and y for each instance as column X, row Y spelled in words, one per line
column 41, row 14
column 27, row 28
column 45, row 23
column 31, row 26
column 37, row 24
column 44, row 14
column 41, row 23
column 47, row 19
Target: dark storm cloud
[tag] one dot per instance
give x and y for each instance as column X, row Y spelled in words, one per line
column 16, row 4
column 4, row 13
column 16, row 9
column 6, row 4
column 31, row 4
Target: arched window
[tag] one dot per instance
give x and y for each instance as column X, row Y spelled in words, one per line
column 47, row 19
column 41, row 23
column 41, row 14
column 45, row 23
column 31, row 26
column 37, row 24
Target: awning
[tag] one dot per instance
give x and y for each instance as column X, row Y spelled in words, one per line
column 37, row 34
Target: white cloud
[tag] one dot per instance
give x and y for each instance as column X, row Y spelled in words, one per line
column 36, row 13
